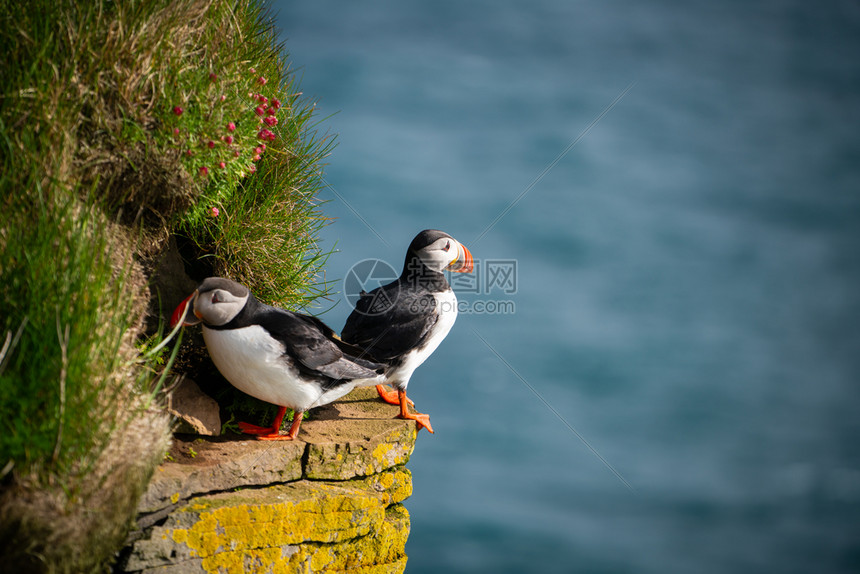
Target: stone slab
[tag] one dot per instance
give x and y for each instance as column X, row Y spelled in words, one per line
column 195, row 409
column 320, row 525
column 356, row 436
column 219, row 466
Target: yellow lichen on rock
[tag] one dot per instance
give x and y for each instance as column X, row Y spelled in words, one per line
column 286, row 514
column 303, row 526
column 394, row 484
column 380, row 552
column 327, row 503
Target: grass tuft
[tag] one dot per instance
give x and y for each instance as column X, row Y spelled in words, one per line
column 63, row 288
column 265, row 233
column 123, row 124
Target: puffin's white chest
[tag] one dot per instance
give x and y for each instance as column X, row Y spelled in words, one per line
column 255, row 363
column 446, row 308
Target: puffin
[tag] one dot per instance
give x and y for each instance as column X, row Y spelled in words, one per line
column 400, row 324
column 278, row 356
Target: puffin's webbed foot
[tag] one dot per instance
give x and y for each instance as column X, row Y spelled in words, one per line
column 248, row 428
column 421, row 420
column 273, row 432
column 276, row 437
column 391, row 397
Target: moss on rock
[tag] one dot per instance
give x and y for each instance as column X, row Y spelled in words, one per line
column 279, row 521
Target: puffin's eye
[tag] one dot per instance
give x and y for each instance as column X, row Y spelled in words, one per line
column 447, row 246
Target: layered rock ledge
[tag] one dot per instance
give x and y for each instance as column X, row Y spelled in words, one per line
column 329, row 502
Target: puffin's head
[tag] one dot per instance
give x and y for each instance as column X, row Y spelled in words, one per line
column 438, row 251
column 215, row 302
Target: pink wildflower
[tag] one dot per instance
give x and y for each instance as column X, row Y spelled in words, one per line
column 222, row 165
column 204, row 171
column 176, row 131
column 271, row 111
column 262, row 81
column 271, row 121
column 236, row 153
column 252, row 168
column 262, row 99
column 259, row 110
column 231, row 127
column 211, row 144
column 252, row 70
column 177, row 110
column 228, row 139
column 265, row 134
column 214, row 212
column 262, row 147
column 276, row 103
column 258, row 150
column 213, row 76
column 223, row 97
column 189, row 153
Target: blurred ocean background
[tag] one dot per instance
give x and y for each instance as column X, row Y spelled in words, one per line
column 687, row 282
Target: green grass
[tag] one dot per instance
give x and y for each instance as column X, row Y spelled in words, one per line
column 73, row 313
column 265, row 233
column 98, row 170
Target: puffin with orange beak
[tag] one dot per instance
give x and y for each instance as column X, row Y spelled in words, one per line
column 402, row 323
column 285, row 358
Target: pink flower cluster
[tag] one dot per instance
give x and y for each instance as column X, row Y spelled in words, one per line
column 266, row 112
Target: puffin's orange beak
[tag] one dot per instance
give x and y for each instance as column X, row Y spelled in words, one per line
column 465, row 260
column 179, row 312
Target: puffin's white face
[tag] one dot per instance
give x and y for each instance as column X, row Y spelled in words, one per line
column 216, row 302
column 446, row 253
column 218, row 306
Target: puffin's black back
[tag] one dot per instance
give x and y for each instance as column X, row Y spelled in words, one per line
column 393, row 319
column 390, row 324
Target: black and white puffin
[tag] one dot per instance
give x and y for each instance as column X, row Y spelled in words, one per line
column 402, row 323
column 278, row 356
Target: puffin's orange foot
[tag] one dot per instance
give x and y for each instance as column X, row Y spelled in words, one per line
column 273, row 433
column 275, row 437
column 248, row 428
column 421, row 420
column 391, row 397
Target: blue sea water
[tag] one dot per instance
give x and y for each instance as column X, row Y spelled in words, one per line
column 678, row 185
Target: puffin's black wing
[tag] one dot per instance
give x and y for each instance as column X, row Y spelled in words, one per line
column 351, row 352
column 390, row 321
column 308, row 341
